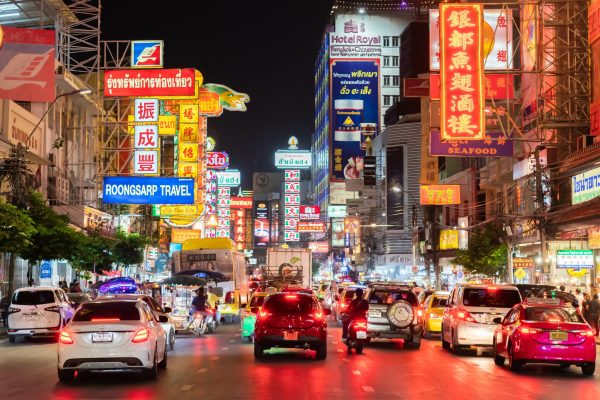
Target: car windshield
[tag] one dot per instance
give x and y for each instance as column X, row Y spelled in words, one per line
column 390, row 297
column 438, row 302
column 499, row 298
column 547, row 314
column 30, row 298
column 289, row 304
column 121, row 310
column 257, row 301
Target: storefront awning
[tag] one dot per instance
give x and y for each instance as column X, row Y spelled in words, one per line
column 35, row 159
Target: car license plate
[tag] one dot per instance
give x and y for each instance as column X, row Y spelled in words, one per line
column 290, row 335
column 559, row 335
column 374, row 313
column 102, row 337
column 361, row 335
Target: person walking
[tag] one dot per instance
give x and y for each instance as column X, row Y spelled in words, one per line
column 594, row 314
column 585, row 306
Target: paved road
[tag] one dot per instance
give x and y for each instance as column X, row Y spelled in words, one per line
column 221, row 367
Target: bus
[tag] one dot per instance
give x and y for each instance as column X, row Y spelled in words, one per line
column 218, row 255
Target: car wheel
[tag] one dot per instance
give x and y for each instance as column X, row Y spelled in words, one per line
column 172, row 340
column 259, row 351
column 321, row 352
column 12, row 338
column 498, row 359
column 66, row 375
column 455, row 347
column 152, row 372
column 163, row 363
column 513, row 365
column 445, row 345
column 588, row 369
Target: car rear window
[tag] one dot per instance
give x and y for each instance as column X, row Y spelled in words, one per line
column 498, row 298
column 289, row 304
column 546, row 314
column 124, row 311
column 30, row 298
column 349, row 294
column 257, row 301
column 439, row 302
column 392, row 296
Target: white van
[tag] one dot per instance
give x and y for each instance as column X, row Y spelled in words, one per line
column 38, row 310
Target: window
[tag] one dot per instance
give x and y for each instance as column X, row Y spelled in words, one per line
column 392, row 296
column 290, row 304
column 31, row 298
column 386, row 80
column 395, row 41
column 386, row 61
column 395, row 61
column 386, row 41
column 547, row 314
column 497, row 298
column 396, row 80
column 386, row 100
column 122, row 310
column 257, row 301
column 395, row 99
column 438, row 302
column 513, row 315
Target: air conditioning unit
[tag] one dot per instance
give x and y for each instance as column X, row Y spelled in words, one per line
column 584, row 141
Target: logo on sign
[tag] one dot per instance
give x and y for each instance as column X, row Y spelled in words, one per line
column 292, row 175
column 310, row 212
column 217, row 160
column 147, row 53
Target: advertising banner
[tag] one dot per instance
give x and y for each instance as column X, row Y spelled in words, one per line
column 145, row 162
column 448, row 239
column 261, row 223
column 494, row 145
column 150, row 82
column 178, row 210
column 311, row 226
column 209, row 103
column 319, row 247
column 497, row 31
column 146, row 136
column 241, row 202
column 461, row 72
column 27, row 65
column 522, row 262
column 594, row 238
column 356, row 41
column 147, row 53
column 301, row 159
column 310, row 212
column 440, row 195
column 147, row 190
column 291, row 175
column 230, row 178
column 167, row 124
column 354, row 113
column 336, row 211
column 429, row 164
column 188, row 152
column 181, row 235
column 576, row 259
column 145, row 110
column 188, row 113
column 337, row 232
column 585, row 186
column 187, row 169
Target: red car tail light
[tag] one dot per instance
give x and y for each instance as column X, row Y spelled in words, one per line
column 465, row 316
column 105, row 319
column 526, row 331
column 65, row 338
column 343, row 305
column 317, row 315
column 587, row 333
column 12, row 310
column 141, row 336
column 263, row 314
column 291, row 297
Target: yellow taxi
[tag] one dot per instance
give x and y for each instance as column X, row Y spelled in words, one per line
column 248, row 317
column 433, row 310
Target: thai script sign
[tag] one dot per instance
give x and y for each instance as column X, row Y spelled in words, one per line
column 585, row 186
column 149, row 82
column 293, row 159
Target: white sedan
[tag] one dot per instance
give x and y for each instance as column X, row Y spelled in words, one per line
column 112, row 334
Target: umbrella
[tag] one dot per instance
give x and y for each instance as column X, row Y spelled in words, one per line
column 203, row 273
column 185, row 280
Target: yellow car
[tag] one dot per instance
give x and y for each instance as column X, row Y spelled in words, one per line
column 248, row 317
column 433, row 310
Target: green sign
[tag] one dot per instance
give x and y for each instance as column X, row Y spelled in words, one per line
column 576, row 259
column 585, row 186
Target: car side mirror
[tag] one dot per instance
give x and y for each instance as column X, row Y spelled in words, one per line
column 163, row 319
column 254, row 310
column 168, row 309
column 497, row 320
column 326, row 311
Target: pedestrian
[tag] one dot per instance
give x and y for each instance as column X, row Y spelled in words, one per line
column 579, row 296
column 4, row 305
column 562, row 288
column 585, row 306
column 76, row 288
column 594, row 313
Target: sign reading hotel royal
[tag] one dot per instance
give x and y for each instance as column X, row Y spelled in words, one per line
column 355, row 41
column 461, row 72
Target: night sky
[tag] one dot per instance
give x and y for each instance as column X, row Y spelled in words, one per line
column 266, row 49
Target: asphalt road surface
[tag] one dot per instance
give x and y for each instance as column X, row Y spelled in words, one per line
column 220, row 366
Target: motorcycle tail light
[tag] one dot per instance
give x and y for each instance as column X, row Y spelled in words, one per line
column 141, row 336
column 360, row 325
column 65, row 338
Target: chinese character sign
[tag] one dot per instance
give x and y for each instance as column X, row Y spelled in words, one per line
column 146, row 136
column 188, row 152
column 461, row 70
column 188, row 113
column 146, row 110
column 291, row 197
column 440, row 195
column 145, row 162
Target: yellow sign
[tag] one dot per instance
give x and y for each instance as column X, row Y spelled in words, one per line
column 448, row 239
column 181, row 235
column 188, row 132
column 576, row 273
column 187, row 169
column 520, row 273
column 178, row 210
column 594, row 238
column 188, row 152
column 211, row 221
column 188, row 113
column 167, row 124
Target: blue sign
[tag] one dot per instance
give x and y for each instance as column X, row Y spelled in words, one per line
column 45, row 270
column 147, row 190
column 173, row 247
column 354, row 114
column 147, row 53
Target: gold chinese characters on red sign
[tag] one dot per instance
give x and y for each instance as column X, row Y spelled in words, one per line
column 441, row 195
column 461, row 71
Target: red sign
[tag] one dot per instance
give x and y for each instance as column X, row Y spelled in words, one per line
column 461, row 71
column 310, row 226
column 594, row 22
column 310, row 212
column 217, row 160
column 319, row 247
column 440, row 195
column 241, row 202
column 209, row 103
column 149, row 82
column 27, row 65
column 497, row 86
column 239, row 228
column 415, row 87
column 595, row 118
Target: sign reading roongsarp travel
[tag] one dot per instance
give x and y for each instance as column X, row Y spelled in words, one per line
column 147, row 190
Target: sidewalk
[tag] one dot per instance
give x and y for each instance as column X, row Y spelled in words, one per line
column 3, row 334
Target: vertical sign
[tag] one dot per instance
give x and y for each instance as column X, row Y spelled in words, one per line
column 239, row 228
column 211, row 204
column 291, row 195
column 145, row 156
column 261, row 223
column 223, row 212
column 461, row 70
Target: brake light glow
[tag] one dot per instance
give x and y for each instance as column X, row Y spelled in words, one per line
column 318, row 315
column 343, row 305
column 141, row 336
column 262, row 314
column 419, row 313
column 105, row 319
column 587, row 333
column 465, row 316
column 553, row 320
column 360, row 325
column 53, row 309
column 65, row 338
column 291, row 297
column 492, row 288
column 526, row 331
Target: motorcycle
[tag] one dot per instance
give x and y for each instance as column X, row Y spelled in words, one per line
column 357, row 335
column 210, row 321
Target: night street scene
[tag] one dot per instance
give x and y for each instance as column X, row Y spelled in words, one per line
column 299, row 200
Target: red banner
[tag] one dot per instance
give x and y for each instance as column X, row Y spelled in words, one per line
column 497, row 86
column 27, row 65
column 241, row 202
column 311, row 226
column 461, row 71
column 594, row 22
column 149, row 82
column 217, row 160
column 443, row 195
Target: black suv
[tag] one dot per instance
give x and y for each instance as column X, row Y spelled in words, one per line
column 394, row 313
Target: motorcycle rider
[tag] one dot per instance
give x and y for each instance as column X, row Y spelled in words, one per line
column 357, row 309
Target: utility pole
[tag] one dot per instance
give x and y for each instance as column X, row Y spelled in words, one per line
column 540, row 211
